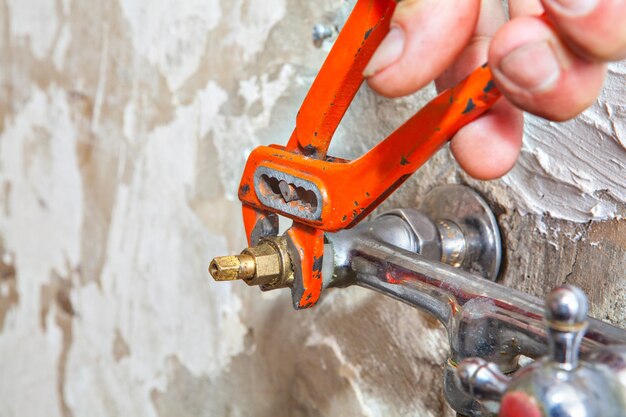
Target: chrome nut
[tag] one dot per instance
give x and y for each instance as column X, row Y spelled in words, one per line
column 425, row 231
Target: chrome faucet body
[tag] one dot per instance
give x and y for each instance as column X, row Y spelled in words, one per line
column 484, row 319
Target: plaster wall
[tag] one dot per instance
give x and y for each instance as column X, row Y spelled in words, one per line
column 124, row 126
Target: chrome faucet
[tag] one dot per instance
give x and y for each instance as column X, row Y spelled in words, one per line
column 443, row 258
column 558, row 385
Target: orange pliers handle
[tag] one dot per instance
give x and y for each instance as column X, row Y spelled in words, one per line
column 321, row 193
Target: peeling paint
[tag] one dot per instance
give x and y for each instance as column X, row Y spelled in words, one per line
column 120, row 347
column 9, row 296
column 61, row 47
column 38, row 159
column 172, row 34
column 35, row 22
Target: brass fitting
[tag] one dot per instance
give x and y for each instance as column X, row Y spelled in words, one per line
column 267, row 264
column 231, row 268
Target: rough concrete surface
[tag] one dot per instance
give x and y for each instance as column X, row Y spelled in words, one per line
column 124, row 126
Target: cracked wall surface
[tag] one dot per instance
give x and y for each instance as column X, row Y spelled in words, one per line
column 124, row 127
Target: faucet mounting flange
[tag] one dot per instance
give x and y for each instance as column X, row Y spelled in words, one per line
column 470, row 237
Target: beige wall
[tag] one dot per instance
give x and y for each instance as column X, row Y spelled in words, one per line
column 123, row 129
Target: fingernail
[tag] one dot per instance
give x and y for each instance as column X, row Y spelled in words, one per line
column 574, row 7
column 533, row 67
column 388, row 52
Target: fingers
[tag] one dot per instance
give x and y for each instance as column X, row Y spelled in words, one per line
column 595, row 29
column 474, row 54
column 424, row 39
column 553, row 70
column 537, row 72
column 488, row 147
column 525, row 8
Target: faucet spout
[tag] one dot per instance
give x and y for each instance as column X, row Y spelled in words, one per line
column 473, row 309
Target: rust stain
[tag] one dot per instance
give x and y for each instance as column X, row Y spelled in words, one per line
column 120, row 347
column 9, row 296
column 6, row 198
column 611, row 233
column 55, row 296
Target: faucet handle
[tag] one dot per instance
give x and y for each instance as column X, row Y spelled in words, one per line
column 558, row 384
column 482, row 380
column 565, row 313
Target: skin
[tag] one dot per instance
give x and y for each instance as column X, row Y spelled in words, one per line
column 572, row 46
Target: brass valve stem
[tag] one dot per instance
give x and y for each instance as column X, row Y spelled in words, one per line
column 267, row 264
column 231, row 268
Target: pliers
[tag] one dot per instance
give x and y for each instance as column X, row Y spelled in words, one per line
column 321, row 193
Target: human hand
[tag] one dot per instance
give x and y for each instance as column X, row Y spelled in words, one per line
column 554, row 70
